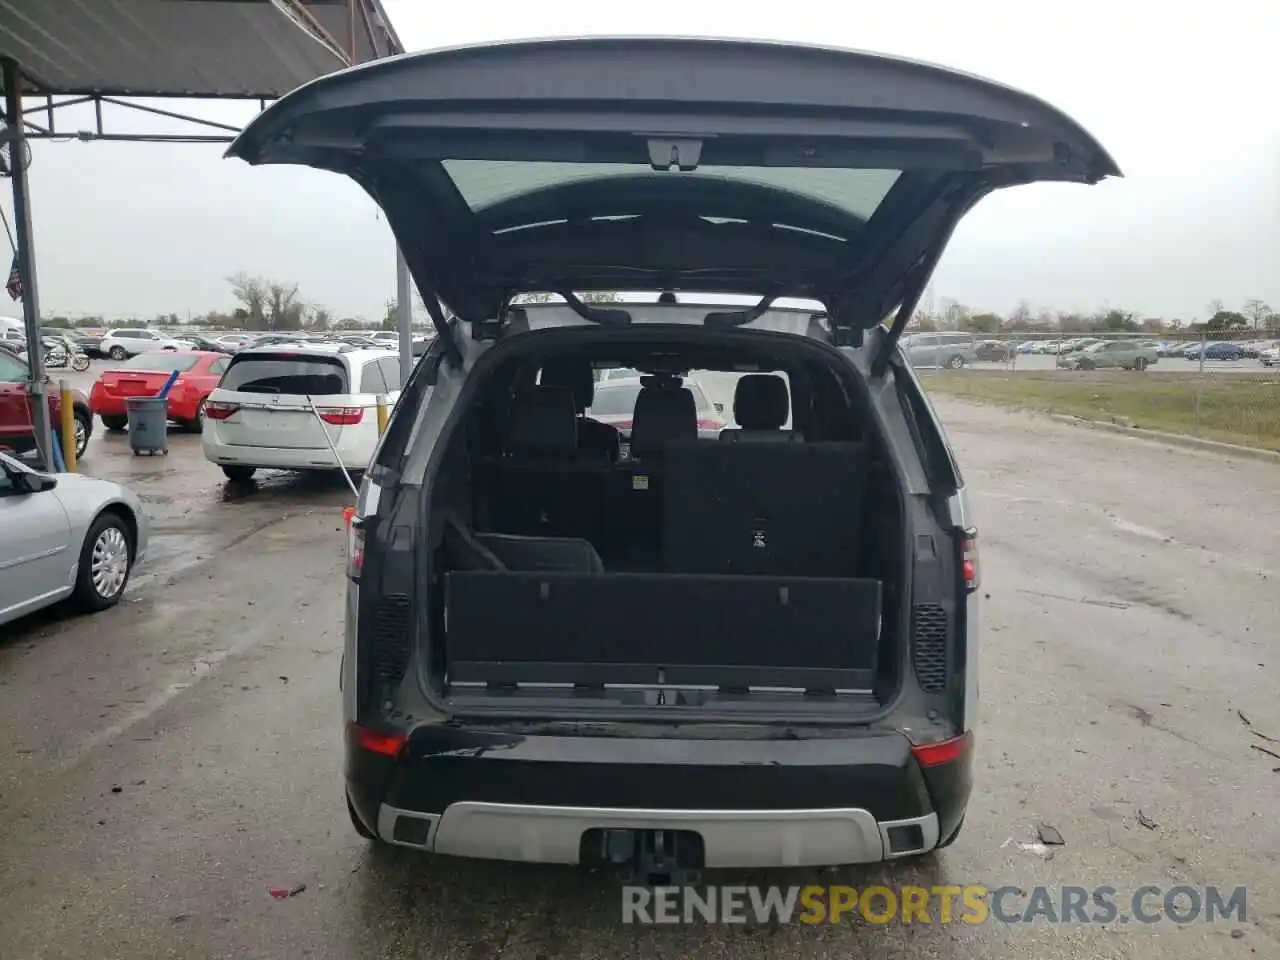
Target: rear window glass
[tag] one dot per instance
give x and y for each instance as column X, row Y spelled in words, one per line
column 390, row 367
column 371, row 379
column 484, row 183
column 279, row 373
column 615, row 400
column 165, row 362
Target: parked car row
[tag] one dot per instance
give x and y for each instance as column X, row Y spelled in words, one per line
column 122, row 343
column 954, row 350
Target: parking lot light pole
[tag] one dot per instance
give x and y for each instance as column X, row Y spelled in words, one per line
column 26, row 256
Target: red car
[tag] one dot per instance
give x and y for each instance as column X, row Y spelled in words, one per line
column 16, row 431
column 145, row 376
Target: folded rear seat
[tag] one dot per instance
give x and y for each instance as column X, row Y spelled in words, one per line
column 779, row 509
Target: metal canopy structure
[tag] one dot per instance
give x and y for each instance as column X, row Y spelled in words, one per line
column 249, row 49
column 62, row 53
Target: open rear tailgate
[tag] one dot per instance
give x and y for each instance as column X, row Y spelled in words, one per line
column 629, row 163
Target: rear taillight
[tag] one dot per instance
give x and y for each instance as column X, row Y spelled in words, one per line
column 969, row 558
column 341, row 416
column 710, row 425
column 217, row 410
column 947, row 751
column 376, row 741
column 355, row 548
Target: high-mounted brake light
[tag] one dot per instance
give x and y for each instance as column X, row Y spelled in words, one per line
column 969, row 559
column 341, row 416
column 217, row 410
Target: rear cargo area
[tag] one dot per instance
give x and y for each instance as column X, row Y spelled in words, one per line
column 691, row 571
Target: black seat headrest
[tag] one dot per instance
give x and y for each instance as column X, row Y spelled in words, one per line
column 760, row 402
column 662, row 414
column 544, row 423
column 574, row 374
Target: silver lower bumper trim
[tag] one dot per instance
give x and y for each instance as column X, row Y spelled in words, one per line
column 731, row 838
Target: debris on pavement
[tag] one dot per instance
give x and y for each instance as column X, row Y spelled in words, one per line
column 1263, row 736
column 284, row 893
column 117, row 789
column 1051, row 836
column 1146, row 821
column 1269, row 753
column 1039, row 849
column 1243, row 719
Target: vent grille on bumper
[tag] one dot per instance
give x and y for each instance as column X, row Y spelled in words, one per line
column 389, row 645
column 929, row 646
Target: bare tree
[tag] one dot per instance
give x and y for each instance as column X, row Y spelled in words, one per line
column 1020, row 319
column 1257, row 312
column 284, row 309
column 954, row 314
column 321, row 319
column 252, row 294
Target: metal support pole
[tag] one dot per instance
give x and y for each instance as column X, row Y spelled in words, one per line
column 27, row 262
column 404, row 315
column 67, row 428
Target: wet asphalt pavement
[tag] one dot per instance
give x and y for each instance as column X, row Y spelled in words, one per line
column 167, row 763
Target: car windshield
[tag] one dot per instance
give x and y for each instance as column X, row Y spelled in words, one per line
column 165, row 362
column 285, row 373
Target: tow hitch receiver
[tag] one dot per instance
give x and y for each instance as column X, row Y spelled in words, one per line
column 652, row 858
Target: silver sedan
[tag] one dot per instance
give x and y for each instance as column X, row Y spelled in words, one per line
column 65, row 535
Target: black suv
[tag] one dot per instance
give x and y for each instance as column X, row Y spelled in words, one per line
column 757, row 649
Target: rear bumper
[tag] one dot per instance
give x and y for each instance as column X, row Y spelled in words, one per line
column 113, row 405
column 753, row 803
column 280, row 458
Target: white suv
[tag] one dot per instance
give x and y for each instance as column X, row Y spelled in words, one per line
column 122, row 344
column 261, row 413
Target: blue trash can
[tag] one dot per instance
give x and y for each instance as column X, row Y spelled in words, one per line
column 148, row 424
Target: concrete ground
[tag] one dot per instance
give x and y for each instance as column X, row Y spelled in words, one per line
column 167, row 763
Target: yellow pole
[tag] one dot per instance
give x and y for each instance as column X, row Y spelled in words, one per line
column 384, row 414
column 68, row 426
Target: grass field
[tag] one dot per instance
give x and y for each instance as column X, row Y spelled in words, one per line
column 1231, row 408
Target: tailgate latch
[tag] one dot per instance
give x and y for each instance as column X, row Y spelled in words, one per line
column 667, row 154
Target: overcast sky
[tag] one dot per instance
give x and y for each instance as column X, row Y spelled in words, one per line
column 1182, row 94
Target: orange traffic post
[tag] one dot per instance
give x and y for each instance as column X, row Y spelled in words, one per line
column 68, row 428
column 384, row 414
column 347, row 514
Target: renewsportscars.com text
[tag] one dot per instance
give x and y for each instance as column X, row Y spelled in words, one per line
column 973, row 904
